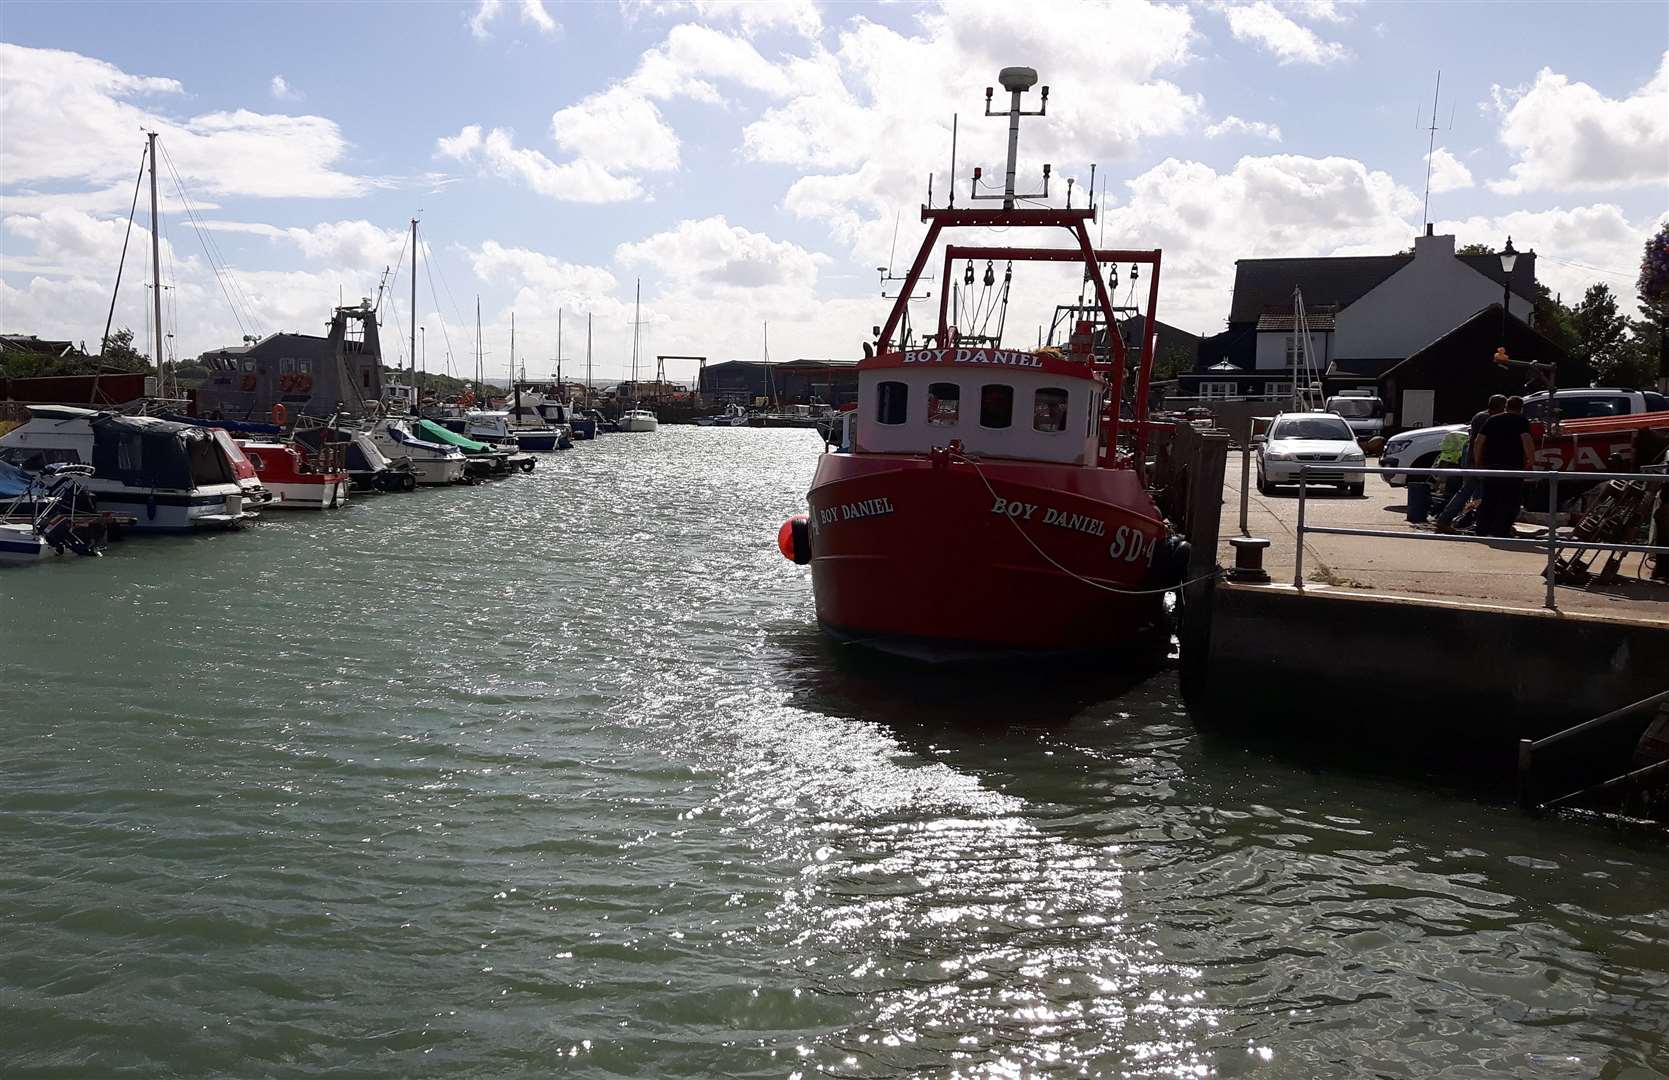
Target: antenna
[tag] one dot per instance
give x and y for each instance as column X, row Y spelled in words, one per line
column 1016, row 81
column 1431, row 146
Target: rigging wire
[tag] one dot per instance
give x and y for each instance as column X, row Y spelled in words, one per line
column 428, row 266
column 211, row 249
column 445, row 285
column 121, row 262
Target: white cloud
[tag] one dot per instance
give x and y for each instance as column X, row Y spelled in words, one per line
column 533, row 13
column 1270, row 206
column 579, row 181
column 1570, row 137
column 1448, row 173
column 617, row 130
column 576, row 284
column 283, row 91
column 1266, row 26
column 1233, row 125
column 1575, row 248
column 73, row 120
column 712, row 254
column 750, row 16
column 895, row 89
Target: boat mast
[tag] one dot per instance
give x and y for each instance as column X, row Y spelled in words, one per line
column 588, row 359
column 156, row 274
column 559, row 356
column 637, row 318
column 411, row 366
column 477, row 347
column 512, row 348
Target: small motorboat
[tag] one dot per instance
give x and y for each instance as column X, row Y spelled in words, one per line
column 38, row 516
column 303, row 480
column 368, row 469
column 480, row 459
column 433, row 463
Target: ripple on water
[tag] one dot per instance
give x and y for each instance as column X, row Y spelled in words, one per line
column 553, row 775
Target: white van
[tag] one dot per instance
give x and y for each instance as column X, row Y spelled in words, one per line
column 1364, row 413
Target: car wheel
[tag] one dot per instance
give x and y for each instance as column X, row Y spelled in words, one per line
column 1358, row 490
column 1264, row 486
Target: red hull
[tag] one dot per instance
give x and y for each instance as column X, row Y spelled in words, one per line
column 906, row 548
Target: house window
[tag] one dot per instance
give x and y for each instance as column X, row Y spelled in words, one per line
column 1218, row 390
column 1049, row 409
column 892, row 403
column 1277, row 389
column 944, row 401
column 996, row 405
column 1292, row 350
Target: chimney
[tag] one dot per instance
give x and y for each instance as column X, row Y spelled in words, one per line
column 1433, row 246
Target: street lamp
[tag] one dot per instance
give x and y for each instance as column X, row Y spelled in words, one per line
column 1508, row 258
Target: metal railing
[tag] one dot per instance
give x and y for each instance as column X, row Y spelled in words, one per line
column 1528, row 748
column 1550, row 543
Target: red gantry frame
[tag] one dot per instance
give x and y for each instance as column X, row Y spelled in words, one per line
column 1075, row 222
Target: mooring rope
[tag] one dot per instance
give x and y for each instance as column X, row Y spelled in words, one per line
column 1067, row 570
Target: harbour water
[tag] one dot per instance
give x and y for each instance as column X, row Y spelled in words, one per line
column 555, row 776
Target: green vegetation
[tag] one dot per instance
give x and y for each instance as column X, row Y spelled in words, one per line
column 119, row 356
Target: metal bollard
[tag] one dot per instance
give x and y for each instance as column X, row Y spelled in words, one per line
column 1298, row 556
column 1248, row 560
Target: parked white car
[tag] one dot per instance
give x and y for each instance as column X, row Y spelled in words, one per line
column 1417, row 448
column 1363, row 412
column 1314, row 439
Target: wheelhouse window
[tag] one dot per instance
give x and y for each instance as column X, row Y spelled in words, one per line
column 1218, row 390
column 996, row 405
column 892, row 403
column 944, row 402
column 1049, row 409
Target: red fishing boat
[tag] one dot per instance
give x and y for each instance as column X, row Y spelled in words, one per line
column 991, row 498
column 300, row 479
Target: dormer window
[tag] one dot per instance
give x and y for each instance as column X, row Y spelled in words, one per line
column 892, row 403
column 944, row 402
column 996, row 405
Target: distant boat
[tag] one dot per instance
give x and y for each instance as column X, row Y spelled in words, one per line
column 638, row 420
column 367, row 467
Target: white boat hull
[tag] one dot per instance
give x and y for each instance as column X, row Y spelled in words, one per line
column 217, row 506
column 638, row 423
column 20, row 544
column 310, row 496
column 437, row 471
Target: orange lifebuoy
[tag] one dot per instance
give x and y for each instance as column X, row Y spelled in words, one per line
column 280, row 414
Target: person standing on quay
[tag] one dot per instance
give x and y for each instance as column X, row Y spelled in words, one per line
column 1472, row 487
column 1504, row 443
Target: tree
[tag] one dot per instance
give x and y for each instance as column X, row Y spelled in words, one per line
column 1602, row 335
column 1652, row 334
column 1173, row 362
column 1475, row 249
column 120, row 355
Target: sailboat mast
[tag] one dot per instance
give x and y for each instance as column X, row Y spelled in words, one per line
column 478, row 347
column 588, row 359
column 559, row 354
column 156, row 272
column 512, row 346
column 637, row 319
column 411, row 366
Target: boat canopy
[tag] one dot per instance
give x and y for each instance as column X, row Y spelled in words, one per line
column 433, row 432
column 14, row 481
column 145, row 452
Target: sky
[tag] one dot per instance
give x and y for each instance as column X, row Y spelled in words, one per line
column 749, row 166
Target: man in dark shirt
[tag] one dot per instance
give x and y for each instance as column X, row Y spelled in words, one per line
column 1472, row 487
column 1503, row 443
